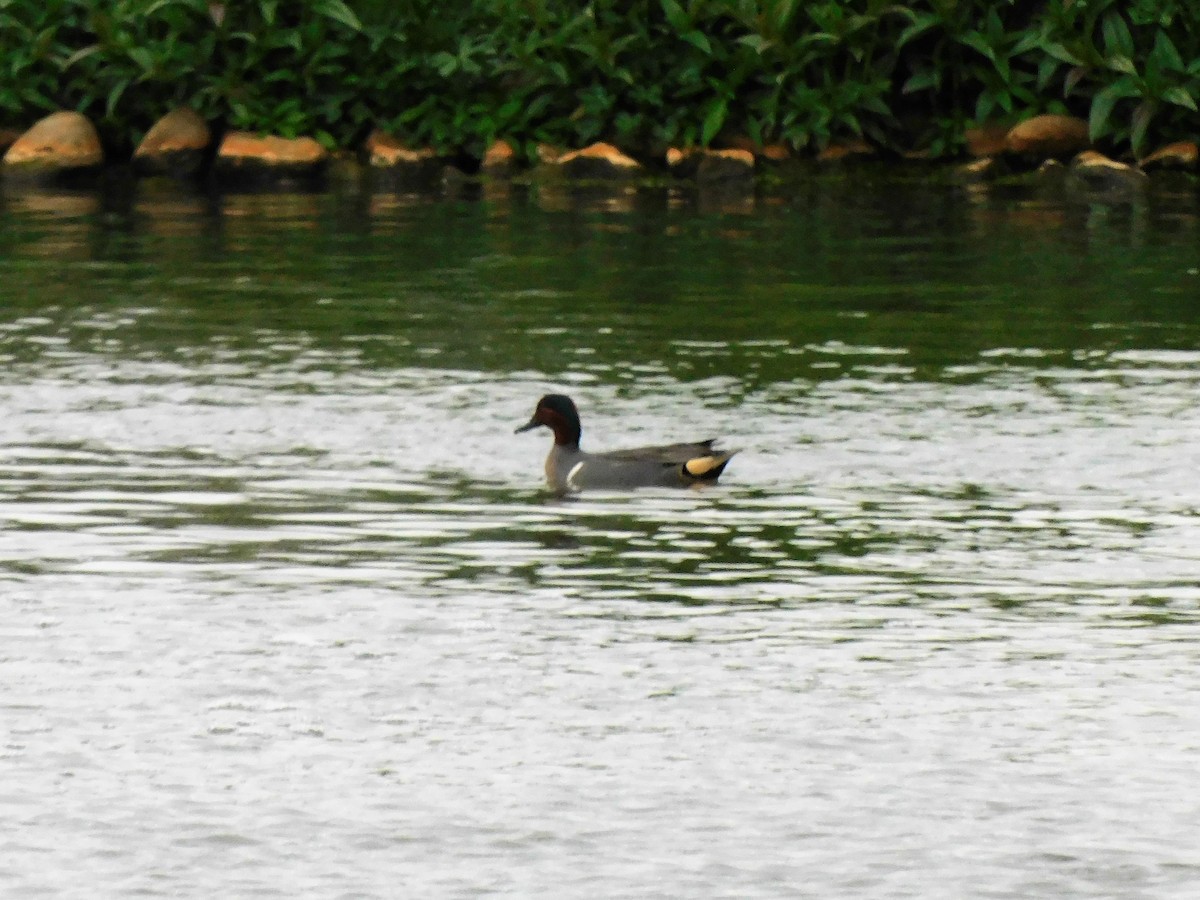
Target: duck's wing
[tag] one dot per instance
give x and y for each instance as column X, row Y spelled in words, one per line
column 667, row 454
column 669, row 464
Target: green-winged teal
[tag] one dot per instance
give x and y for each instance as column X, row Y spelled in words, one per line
column 570, row 469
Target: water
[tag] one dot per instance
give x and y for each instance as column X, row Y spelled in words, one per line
column 287, row 612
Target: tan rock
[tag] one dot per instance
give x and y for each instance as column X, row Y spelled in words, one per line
column 1097, row 171
column 384, row 151
column 1179, row 155
column 394, row 163
column 268, row 156
column 62, row 142
column 174, row 145
column 979, row 170
column 773, row 152
column 678, row 156
column 499, row 159
column 708, row 165
column 548, row 153
column 842, row 151
column 1048, row 136
column 684, row 161
column 988, row 139
column 598, row 160
column 725, row 165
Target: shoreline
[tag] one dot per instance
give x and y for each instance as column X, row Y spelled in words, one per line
column 63, row 150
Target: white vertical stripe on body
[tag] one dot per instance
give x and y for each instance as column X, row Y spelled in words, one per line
column 571, row 475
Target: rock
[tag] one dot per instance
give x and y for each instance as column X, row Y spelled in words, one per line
column 385, row 151
column 60, row 145
column 979, row 170
column 8, row 137
column 774, row 152
column 499, row 159
column 393, row 160
column 676, row 157
column 597, row 161
column 458, row 184
column 174, row 145
column 1179, row 155
column 708, row 165
column 725, row 165
column 345, row 170
column 246, row 156
column 548, row 153
column 683, row 162
column 1048, row 136
column 845, row 151
column 989, row 139
column 1098, row 172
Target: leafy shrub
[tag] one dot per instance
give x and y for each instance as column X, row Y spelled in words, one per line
column 647, row 74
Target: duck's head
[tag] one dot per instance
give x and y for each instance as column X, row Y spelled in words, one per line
column 557, row 412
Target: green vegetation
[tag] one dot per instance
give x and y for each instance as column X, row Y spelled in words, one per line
column 645, row 74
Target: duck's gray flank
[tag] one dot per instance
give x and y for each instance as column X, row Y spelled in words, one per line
column 568, row 468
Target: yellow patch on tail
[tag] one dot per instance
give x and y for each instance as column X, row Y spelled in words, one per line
column 701, row 465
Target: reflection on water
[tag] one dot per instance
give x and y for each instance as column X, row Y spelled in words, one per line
column 288, row 611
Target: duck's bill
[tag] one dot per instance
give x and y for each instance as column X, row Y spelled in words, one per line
column 528, row 426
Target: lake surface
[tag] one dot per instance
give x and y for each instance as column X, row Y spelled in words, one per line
column 287, row 611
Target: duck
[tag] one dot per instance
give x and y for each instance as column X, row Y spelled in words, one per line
column 570, row 469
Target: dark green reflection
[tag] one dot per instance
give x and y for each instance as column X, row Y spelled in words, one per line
column 557, row 281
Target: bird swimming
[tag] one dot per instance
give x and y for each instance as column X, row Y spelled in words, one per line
column 568, row 468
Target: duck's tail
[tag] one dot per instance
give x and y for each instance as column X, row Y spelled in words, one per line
column 707, row 467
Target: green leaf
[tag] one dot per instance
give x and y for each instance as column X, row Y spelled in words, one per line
column 1028, row 42
column 340, row 12
column 1122, row 64
column 114, row 96
column 984, row 106
column 876, row 104
column 155, row 7
column 1076, row 75
column 445, row 63
column 142, row 57
column 1117, row 39
column 80, row 54
column 780, row 14
column 1142, row 117
column 1180, row 97
column 922, row 81
column 1046, row 69
column 977, row 43
column 916, row 29
column 713, row 121
column 1060, row 52
column 676, row 15
column 1103, row 103
column 1165, row 54
column 698, row 40
column 755, row 42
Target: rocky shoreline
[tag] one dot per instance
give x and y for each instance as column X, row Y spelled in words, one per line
column 65, row 148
